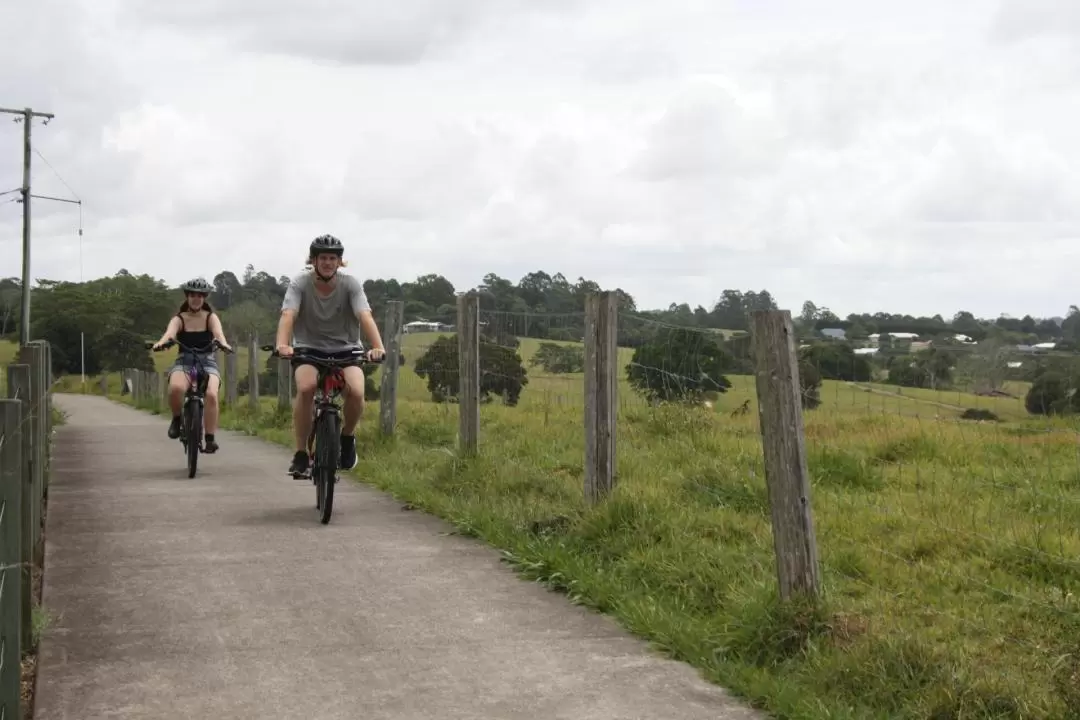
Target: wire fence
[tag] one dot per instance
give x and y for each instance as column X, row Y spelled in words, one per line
column 928, row 494
column 25, row 449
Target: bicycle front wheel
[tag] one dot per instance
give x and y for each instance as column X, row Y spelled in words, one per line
column 193, row 421
column 327, row 453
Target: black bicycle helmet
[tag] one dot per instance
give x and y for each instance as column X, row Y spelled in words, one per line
column 326, row 244
column 198, row 285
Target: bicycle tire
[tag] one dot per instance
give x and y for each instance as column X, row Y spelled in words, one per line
column 327, row 453
column 194, row 436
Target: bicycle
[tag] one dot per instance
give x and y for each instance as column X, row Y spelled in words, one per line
column 191, row 425
column 324, row 440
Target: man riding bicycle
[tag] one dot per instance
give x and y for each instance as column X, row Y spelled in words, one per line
column 323, row 313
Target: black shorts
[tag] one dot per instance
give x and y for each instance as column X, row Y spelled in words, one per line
column 296, row 362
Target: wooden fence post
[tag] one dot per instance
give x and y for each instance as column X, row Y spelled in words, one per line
column 395, row 317
column 601, row 393
column 11, row 576
column 232, row 380
column 784, row 446
column 18, row 378
column 468, row 321
column 284, row 384
column 33, row 354
column 253, row 373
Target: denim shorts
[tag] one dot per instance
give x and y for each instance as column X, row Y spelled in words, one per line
column 184, row 361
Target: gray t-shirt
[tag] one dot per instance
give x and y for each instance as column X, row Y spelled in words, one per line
column 329, row 322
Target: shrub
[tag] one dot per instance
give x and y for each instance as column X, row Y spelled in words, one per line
column 1052, row 393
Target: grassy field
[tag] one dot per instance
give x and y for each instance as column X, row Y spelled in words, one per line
column 949, row 548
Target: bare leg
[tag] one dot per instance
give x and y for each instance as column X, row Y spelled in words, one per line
column 178, row 385
column 354, row 399
column 305, row 377
column 210, row 409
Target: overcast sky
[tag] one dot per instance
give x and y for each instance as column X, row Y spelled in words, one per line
column 918, row 156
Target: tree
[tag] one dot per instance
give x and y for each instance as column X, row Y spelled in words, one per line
column 501, row 371
column 985, row 369
column 248, row 318
column 677, row 365
column 559, row 359
column 931, row 368
column 10, row 303
column 838, row 361
column 227, row 291
column 810, row 384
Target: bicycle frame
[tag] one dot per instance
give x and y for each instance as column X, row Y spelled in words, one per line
column 328, row 389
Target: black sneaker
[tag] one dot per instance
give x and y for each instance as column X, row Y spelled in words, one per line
column 174, row 427
column 211, row 444
column 348, row 452
column 299, row 466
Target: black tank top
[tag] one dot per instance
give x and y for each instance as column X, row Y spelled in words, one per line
column 196, row 339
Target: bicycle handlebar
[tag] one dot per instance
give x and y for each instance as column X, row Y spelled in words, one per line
column 324, row 361
column 214, row 345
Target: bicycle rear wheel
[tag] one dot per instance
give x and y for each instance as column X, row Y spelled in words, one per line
column 327, row 453
column 193, row 423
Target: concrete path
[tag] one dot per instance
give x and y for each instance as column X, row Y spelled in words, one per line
column 223, row 597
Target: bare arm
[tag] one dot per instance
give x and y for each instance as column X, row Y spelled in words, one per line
column 284, row 328
column 360, row 306
column 170, row 331
column 214, row 323
column 371, row 329
column 290, row 306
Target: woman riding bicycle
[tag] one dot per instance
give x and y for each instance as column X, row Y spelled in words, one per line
column 195, row 326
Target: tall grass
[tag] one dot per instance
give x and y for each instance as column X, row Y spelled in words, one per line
column 948, row 547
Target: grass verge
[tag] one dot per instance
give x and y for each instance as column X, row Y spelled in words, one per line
column 948, row 549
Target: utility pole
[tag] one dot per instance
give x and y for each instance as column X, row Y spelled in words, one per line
column 28, row 115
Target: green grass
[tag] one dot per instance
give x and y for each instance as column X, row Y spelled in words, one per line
column 949, row 548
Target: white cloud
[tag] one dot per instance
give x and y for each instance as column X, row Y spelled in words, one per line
column 916, row 158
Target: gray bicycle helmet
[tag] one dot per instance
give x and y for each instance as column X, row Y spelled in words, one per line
column 198, row 285
column 326, row 244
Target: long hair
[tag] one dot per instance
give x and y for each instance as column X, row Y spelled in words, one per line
column 310, row 262
column 205, row 306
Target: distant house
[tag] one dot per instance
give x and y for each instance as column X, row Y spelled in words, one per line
column 1036, row 348
column 834, row 333
column 895, row 336
column 866, row 351
column 917, row 346
column 425, row 326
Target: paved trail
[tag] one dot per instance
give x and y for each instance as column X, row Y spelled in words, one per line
column 223, row 597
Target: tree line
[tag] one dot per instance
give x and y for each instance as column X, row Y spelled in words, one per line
column 117, row 313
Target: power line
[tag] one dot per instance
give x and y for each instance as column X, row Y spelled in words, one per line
column 76, row 201
column 59, row 177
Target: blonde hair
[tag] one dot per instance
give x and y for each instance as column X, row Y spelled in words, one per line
column 342, row 262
